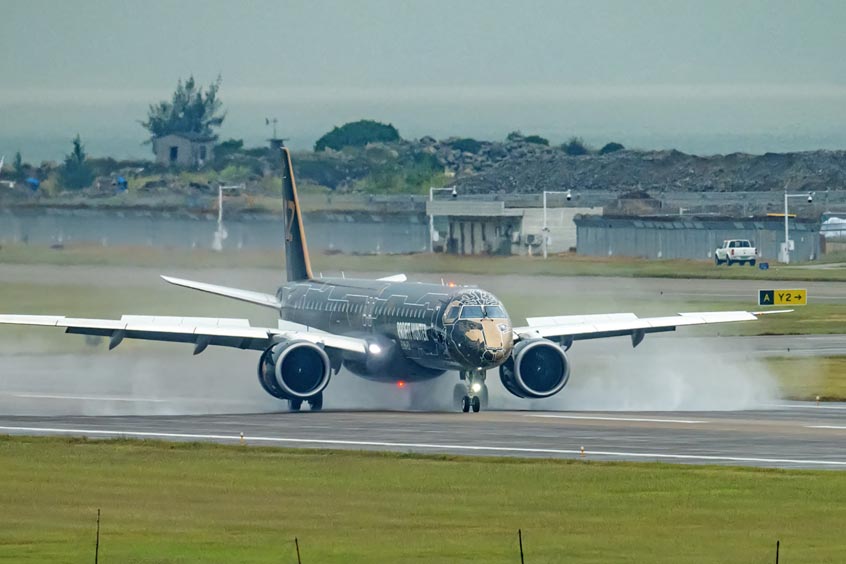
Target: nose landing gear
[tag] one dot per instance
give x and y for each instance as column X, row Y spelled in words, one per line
column 471, row 392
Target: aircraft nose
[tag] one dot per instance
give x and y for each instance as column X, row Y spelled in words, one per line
column 484, row 343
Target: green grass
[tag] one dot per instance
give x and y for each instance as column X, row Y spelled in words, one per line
column 564, row 265
column 205, row 503
column 811, row 377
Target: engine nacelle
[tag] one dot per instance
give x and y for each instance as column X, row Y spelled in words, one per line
column 536, row 369
column 294, row 370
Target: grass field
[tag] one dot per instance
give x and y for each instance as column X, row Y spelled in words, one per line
column 185, row 503
column 564, row 265
column 807, row 378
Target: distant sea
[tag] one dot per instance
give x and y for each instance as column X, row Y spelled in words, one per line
column 43, row 131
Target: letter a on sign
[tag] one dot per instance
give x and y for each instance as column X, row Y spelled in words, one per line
column 766, row 297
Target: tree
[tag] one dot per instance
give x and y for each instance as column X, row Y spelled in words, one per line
column 76, row 173
column 190, row 110
column 575, row 146
column 357, row 134
column 611, row 147
column 18, row 166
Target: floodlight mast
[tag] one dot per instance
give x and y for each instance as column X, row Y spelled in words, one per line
column 221, row 234
column 810, row 196
column 454, row 192
column 569, row 195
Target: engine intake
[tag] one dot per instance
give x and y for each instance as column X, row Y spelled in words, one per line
column 294, row 370
column 536, row 369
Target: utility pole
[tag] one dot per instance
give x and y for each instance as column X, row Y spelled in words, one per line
column 432, row 191
column 810, row 196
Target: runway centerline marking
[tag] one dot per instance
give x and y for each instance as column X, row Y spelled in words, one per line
column 431, row 446
column 608, row 418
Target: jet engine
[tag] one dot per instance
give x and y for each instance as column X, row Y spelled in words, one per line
column 294, row 370
column 536, row 369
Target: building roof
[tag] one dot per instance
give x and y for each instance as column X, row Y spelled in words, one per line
column 695, row 222
column 191, row 136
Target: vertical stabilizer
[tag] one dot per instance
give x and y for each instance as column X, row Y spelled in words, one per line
column 297, row 262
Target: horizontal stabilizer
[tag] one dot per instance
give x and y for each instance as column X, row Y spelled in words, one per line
column 266, row 300
column 395, row 278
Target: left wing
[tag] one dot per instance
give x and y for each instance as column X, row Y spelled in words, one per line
column 200, row 331
column 567, row 329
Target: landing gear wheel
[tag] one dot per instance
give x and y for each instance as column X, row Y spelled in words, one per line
column 294, row 405
column 316, row 402
column 465, row 404
column 476, row 404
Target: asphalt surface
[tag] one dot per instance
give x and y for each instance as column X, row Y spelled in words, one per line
column 792, row 435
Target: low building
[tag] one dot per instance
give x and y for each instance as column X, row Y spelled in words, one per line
column 184, row 149
column 472, row 227
column 691, row 237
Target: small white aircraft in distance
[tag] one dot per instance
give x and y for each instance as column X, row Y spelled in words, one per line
column 388, row 330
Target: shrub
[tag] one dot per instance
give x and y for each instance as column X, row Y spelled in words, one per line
column 612, row 147
column 575, row 146
column 357, row 134
column 537, row 140
column 466, row 145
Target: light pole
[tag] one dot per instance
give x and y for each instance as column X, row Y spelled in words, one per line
column 221, row 234
column 810, row 196
column 432, row 191
column 569, row 195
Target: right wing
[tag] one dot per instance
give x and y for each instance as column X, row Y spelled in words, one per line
column 199, row 331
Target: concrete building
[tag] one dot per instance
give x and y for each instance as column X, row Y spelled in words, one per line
column 472, row 227
column 691, row 237
column 184, row 149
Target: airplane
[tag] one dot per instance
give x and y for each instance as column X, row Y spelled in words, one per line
column 387, row 330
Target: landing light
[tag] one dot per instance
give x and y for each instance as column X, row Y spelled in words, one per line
column 374, row 348
column 400, row 384
column 476, row 387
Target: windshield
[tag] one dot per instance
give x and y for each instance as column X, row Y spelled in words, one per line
column 477, row 312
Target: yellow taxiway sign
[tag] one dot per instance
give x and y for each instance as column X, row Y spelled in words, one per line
column 782, row 297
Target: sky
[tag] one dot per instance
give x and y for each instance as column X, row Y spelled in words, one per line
column 707, row 77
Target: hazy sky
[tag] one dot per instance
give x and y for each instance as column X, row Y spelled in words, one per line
column 709, row 76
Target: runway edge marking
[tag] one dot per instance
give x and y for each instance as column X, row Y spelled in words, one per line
column 474, row 448
column 608, row 418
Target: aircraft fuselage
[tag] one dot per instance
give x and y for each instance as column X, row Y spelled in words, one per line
column 433, row 328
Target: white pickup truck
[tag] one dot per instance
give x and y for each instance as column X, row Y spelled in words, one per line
column 736, row 250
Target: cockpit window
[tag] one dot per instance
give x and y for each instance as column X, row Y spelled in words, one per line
column 452, row 314
column 471, row 312
column 495, row 311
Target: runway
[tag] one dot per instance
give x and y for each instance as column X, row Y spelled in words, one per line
column 786, row 435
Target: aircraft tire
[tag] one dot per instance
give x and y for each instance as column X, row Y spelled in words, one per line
column 476, row 404
column 465, row 404
column 316, row 402
column 295, row 404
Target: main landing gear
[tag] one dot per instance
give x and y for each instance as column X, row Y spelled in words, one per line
column 472, row 392
column 315, row 403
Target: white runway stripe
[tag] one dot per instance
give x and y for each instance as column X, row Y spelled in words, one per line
column 841, row 427
column 606, row 418
column 427, row 446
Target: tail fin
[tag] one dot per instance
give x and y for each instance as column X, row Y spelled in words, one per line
column 297, row 262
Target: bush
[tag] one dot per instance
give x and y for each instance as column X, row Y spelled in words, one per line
column 466, row 145
column 575, row 147
column 611, row 148
column 75, row 173
column 537, row 140
column 357, row 134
